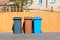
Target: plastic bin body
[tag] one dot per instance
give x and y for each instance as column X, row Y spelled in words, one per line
column 28, row 25
column 17, row 25
column 37, row 25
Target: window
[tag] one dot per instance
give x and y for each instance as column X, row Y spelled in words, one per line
column 11, row 0
column 40, row 1
column 52, row 1
column 29, row 0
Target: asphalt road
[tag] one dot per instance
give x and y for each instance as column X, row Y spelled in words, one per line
column 42, row 36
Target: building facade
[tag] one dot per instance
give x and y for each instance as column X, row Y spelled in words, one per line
column 46, row 5
column 39, row 4
column 4, row 2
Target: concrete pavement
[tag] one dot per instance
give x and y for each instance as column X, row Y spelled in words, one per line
column 43, row 36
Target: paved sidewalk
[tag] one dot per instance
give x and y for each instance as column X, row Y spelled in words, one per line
column 43, row 36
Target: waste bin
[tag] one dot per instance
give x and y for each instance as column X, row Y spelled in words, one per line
column 17, row 25
column 28, row 25
column 37, row 25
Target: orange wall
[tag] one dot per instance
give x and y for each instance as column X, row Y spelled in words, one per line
column 50, row 21
column 58, row 25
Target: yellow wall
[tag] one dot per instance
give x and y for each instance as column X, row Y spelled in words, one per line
column 50, row 21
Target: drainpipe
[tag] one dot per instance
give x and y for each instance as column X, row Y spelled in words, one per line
column 46, row 3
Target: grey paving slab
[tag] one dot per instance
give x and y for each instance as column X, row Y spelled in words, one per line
column 42, row 36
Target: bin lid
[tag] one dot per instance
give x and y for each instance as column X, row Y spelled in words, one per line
column 17, row 18
column 37, row 18
column 28, row 18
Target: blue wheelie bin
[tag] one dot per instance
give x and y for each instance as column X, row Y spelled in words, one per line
column 17, row 25
column 37, row 25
